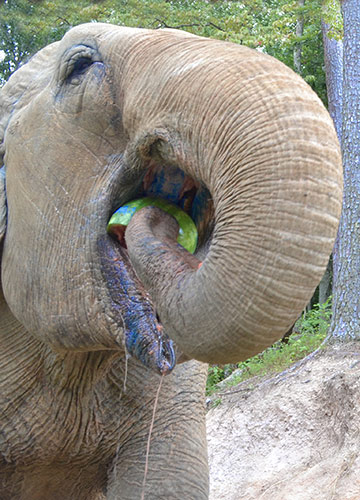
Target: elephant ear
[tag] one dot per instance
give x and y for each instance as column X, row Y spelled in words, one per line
column 22, row 86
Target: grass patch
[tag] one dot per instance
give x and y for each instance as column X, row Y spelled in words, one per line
column 309, row 332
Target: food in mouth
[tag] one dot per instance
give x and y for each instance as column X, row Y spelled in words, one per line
column 187, row 236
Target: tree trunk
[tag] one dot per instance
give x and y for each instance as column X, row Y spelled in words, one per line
column 299, row 33
column 333, row 55
column 346, row 292
column 325, row 284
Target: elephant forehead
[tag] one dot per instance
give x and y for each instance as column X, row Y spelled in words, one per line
column 98, row 29
column 102, row 33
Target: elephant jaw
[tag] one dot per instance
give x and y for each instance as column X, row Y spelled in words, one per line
column 145, row 338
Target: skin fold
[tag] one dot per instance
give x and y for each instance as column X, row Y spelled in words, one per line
column 88, row 324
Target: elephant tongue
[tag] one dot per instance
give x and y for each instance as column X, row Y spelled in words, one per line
column 144, row 335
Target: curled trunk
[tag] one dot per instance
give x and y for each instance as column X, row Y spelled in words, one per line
column 266, row 150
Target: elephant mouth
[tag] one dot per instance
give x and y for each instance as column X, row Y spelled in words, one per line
column 145, row 338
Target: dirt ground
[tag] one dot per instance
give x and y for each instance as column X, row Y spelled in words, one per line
column 293, row 437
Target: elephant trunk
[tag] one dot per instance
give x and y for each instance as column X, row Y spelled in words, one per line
column 265, row 148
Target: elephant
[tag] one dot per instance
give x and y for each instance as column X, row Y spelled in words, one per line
column 91, row 325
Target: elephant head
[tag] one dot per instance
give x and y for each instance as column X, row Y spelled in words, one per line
column 237, row 139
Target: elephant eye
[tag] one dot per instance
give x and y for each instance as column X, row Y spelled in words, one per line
column 80, row 66
column 76, row 63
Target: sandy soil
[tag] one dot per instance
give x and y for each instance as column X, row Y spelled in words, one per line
column 293, row 437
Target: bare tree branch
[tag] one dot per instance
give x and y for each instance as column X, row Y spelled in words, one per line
column 64, row 21
column 163, row 24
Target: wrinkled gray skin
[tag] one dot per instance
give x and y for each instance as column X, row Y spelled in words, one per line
column 87, row 125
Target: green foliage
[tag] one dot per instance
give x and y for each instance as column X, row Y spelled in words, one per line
column 283, row 40
column 331, row 14
column 218, row 373
column 215, row 375
column 310, row 332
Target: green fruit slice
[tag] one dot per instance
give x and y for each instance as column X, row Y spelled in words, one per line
column 187, row 230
